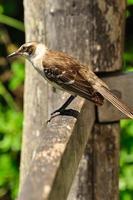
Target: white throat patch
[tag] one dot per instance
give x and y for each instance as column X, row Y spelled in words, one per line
column 38, row 57
column 40, row 52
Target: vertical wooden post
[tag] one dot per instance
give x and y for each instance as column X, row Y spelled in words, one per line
column 97, row 176
column 62, row 25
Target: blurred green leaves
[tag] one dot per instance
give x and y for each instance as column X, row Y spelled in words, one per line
column 10, row 129
column 8, row 175
column 10, row 139
column 11, row 22
column 17, row 68
column 6, row 96
column 126, row 160
column 126, row 153
column 11, row 88
column 130, row 2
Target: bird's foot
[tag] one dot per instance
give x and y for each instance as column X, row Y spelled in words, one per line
column 55, row 114
column 59, row 111
column 52, row 117
column 65, row 112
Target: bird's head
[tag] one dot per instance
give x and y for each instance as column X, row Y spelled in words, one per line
column 29, row 50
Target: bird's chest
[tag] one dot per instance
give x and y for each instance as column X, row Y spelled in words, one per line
column 37, row 64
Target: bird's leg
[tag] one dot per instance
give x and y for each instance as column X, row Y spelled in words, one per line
column 63, row 107
column 61, row 110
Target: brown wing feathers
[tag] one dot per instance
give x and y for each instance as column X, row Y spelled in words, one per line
column 73, row 77
column 85, row 90
column 65, row 71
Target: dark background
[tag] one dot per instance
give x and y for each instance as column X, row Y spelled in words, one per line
column 11, row 102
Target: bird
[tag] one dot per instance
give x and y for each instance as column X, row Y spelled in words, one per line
column 67, row 73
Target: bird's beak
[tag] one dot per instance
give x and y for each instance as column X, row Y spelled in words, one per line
column 14, row 54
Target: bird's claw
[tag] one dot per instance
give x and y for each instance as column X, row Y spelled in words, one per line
column 53, row 114
column 65, row 112
column 52, row 117
column 56, row 111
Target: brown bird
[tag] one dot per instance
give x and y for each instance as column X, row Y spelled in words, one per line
column 67, row 73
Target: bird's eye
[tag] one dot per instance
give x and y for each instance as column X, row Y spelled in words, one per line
column 30, row 50
column 24, row 48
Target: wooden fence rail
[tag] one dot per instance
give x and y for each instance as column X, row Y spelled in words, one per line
column 56, row 159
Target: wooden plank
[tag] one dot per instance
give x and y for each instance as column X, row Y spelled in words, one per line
column 106, row 150
column 56, row 159
column 100, row 175
column 82, row 187
column 122, row 85
column 105, row 137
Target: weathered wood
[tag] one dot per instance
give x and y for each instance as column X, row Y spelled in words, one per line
column 56, row 159
column 82, row 187
column 105, row 54
column 106, row 150
column 62, row 25
column 122, row 85
column 92, row 32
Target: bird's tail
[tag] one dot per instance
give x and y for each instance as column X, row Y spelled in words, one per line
column 104, row 90
column 107, row 94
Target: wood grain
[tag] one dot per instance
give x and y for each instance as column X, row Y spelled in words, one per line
column 100, row 174
column 56, row 159
column 53, row 23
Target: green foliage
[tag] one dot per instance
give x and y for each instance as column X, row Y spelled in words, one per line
column 11, row 82
column 10, row 134
column 17, row 68
column 130, row 2
column 126, row 154
column 10, row 21
column 126, row 160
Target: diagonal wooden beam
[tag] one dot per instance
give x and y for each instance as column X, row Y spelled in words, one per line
column 63, row 147
column 56, row 159
column 122, row 84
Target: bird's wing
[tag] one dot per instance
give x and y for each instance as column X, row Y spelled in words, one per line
column 70, row 80
column 104, row 90
column 63, row 70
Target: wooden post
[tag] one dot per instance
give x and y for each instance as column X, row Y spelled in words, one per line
column 62, row 25
column 97, row 176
